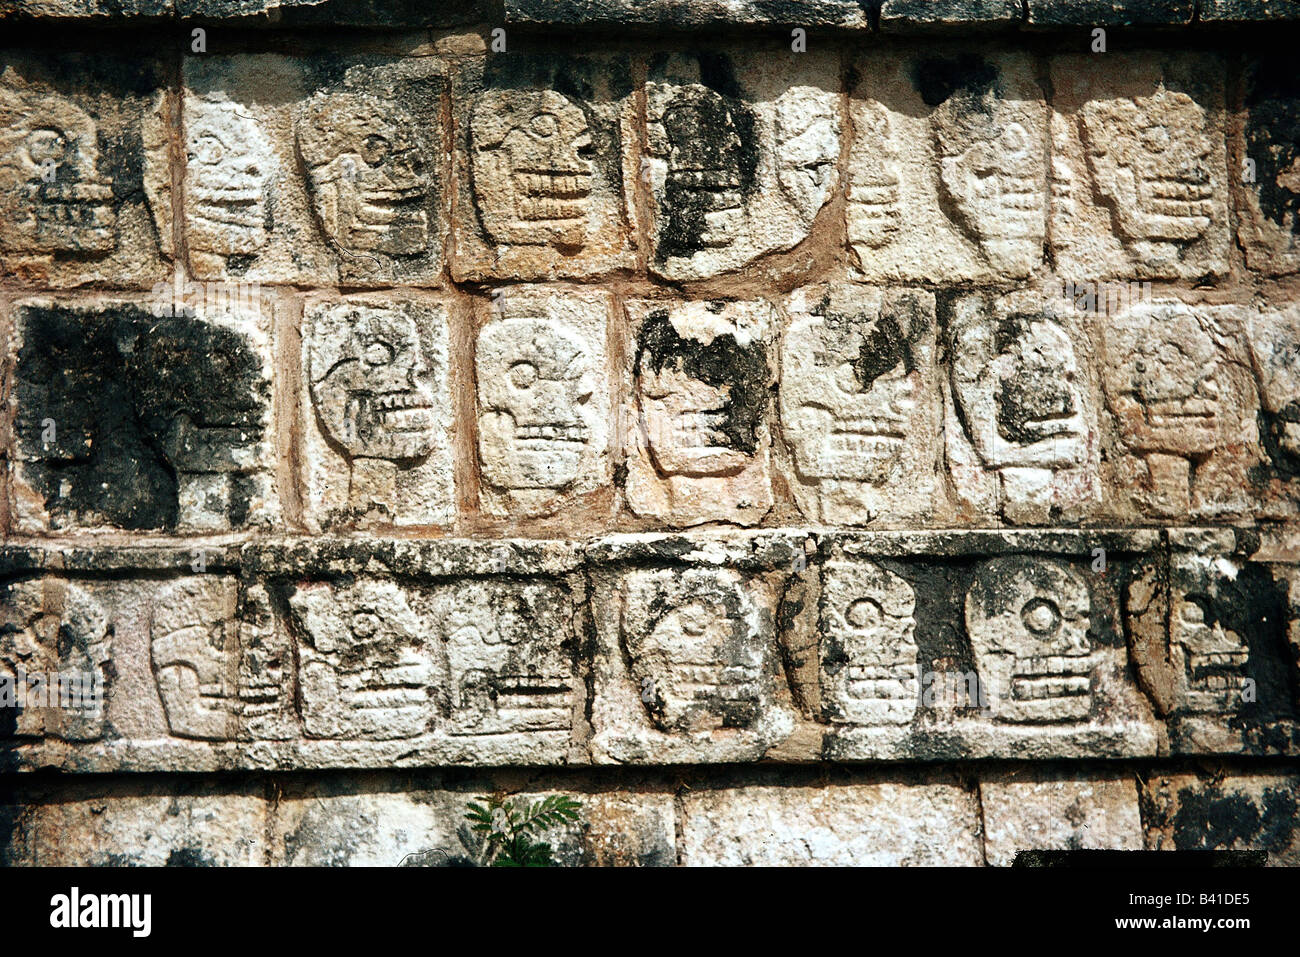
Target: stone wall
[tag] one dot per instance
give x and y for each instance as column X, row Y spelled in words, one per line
column 871, row 442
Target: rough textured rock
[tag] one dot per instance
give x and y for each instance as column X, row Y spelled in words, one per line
column 1270, row 167
column 1057, row 13
column 1035, row 811
column 379, row 424
column 1246, row 10
column 837, row 825
column 688, row 13
column 921, row 15
column 1255, row 812
column 742, row 153
column 1139, row 168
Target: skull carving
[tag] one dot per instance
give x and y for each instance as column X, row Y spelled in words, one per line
column 532, row 169
column 850, row 388
column 370, row 185
column 194, row 648
column 1150, row 158
column 990, row 166
column 1210, row 660
column 703, row 195
column 873, row 213
column 808, row 147
column 228, row 172
column 1028, row 622
column 1275, row 347
column 536, row 382
column 363, row 671
column 696, row 653
column 366, row 367
column 868, row 645
column 50, row 627
column 52, row 196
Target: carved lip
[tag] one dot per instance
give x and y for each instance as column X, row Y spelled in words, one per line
column 894, row 681
column 392, row 197
column 553, row 184
column 1064, row 423
column 233, row 207
column 1176, row 413
column 1217, row 670
column 548, row 433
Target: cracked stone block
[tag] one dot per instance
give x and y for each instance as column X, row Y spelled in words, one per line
column 1030, row 811
column 1236, row 812
column 1183, row 430
column 72, row 141
column 544, row 400
column 1020, row 424
column 310, row 169
column 946, row 177
column 887, row 824
column 910, row 15
column 1139, row 167
column 1209, row 638
column 379, row 422
column 1269, row 209
column 142, row 418
column 697, row 439
column 860, row 404
column 543, row 192
column 56, row 660
column 687, row 668
column 1064, row 13
column 1228, row 10
column 151, row 824
column 679, row 14
column 742, row 153
column 1274, row 340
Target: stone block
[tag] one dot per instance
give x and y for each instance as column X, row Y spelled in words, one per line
column 1268, row 224
column 1065, row 13
column 957, row 15
column 1232, row 812
column 1058, row 811
column 685, row 14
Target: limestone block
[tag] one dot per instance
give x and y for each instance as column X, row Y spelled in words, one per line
column 687, row 668
column 1058, row 13
column 946, row 176
column 544, row 400
column 379, row 421
column 1236, row 812
column 897, row 16
column 542, row 188
column 696, row 429
column 1027, row 811
column 71, row 146
column 311, row 169
column 1020, row 421
column 1269, row 212
column 1139, row 167
column 883, row 825
column 1177, row 384
column 688, row 13
column 860, row 404
column 1211, row 11
column 133, row 416
column 742, row 154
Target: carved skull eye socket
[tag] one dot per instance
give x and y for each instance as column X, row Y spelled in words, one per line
column 209, row 150
column 1041, row 617
column 375, row 149
column 377, row 353
column 365, row 624
column 523, row 375
column 544, row 125
column 1015, row 140
column 1191, row 613
column 864, row 613
column 1155, row 139
column 45, row 145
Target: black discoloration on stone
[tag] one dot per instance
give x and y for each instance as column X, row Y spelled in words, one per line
column 1270, row 433
column 130, row 395
column 967, row 74
column 741, row 372
column 1210, row 818
column 1037, row 391
column 190, row 857
column 1273, row 137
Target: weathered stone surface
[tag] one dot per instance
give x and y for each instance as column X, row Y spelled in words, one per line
column 860, row 405
column 887, row 824
column 1055, row 13
column 141, row 419
column 544, row 400
column 742, row 154
column 946, row 174
column 688, row 13
column 696, row 435
column 1235, row 812
column 908, row 15
column 71, row 147
column 365, row 132
column 1020, row 423
column 686, row 668
column 1026, row 811
column 1216, row 10
column 379, row 426
column 1269, row 211
column 1139, row 167
column 1176, row 381
column 543, row 189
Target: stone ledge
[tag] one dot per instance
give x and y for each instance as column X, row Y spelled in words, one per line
column 1104, row 13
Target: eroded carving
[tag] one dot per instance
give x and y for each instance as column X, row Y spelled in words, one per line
column 1275, row 352
column 230, row 166
column 868, row 645
column 1028, row 620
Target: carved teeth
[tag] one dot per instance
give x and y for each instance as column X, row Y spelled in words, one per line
column 556, row 432
column 1053, row 665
